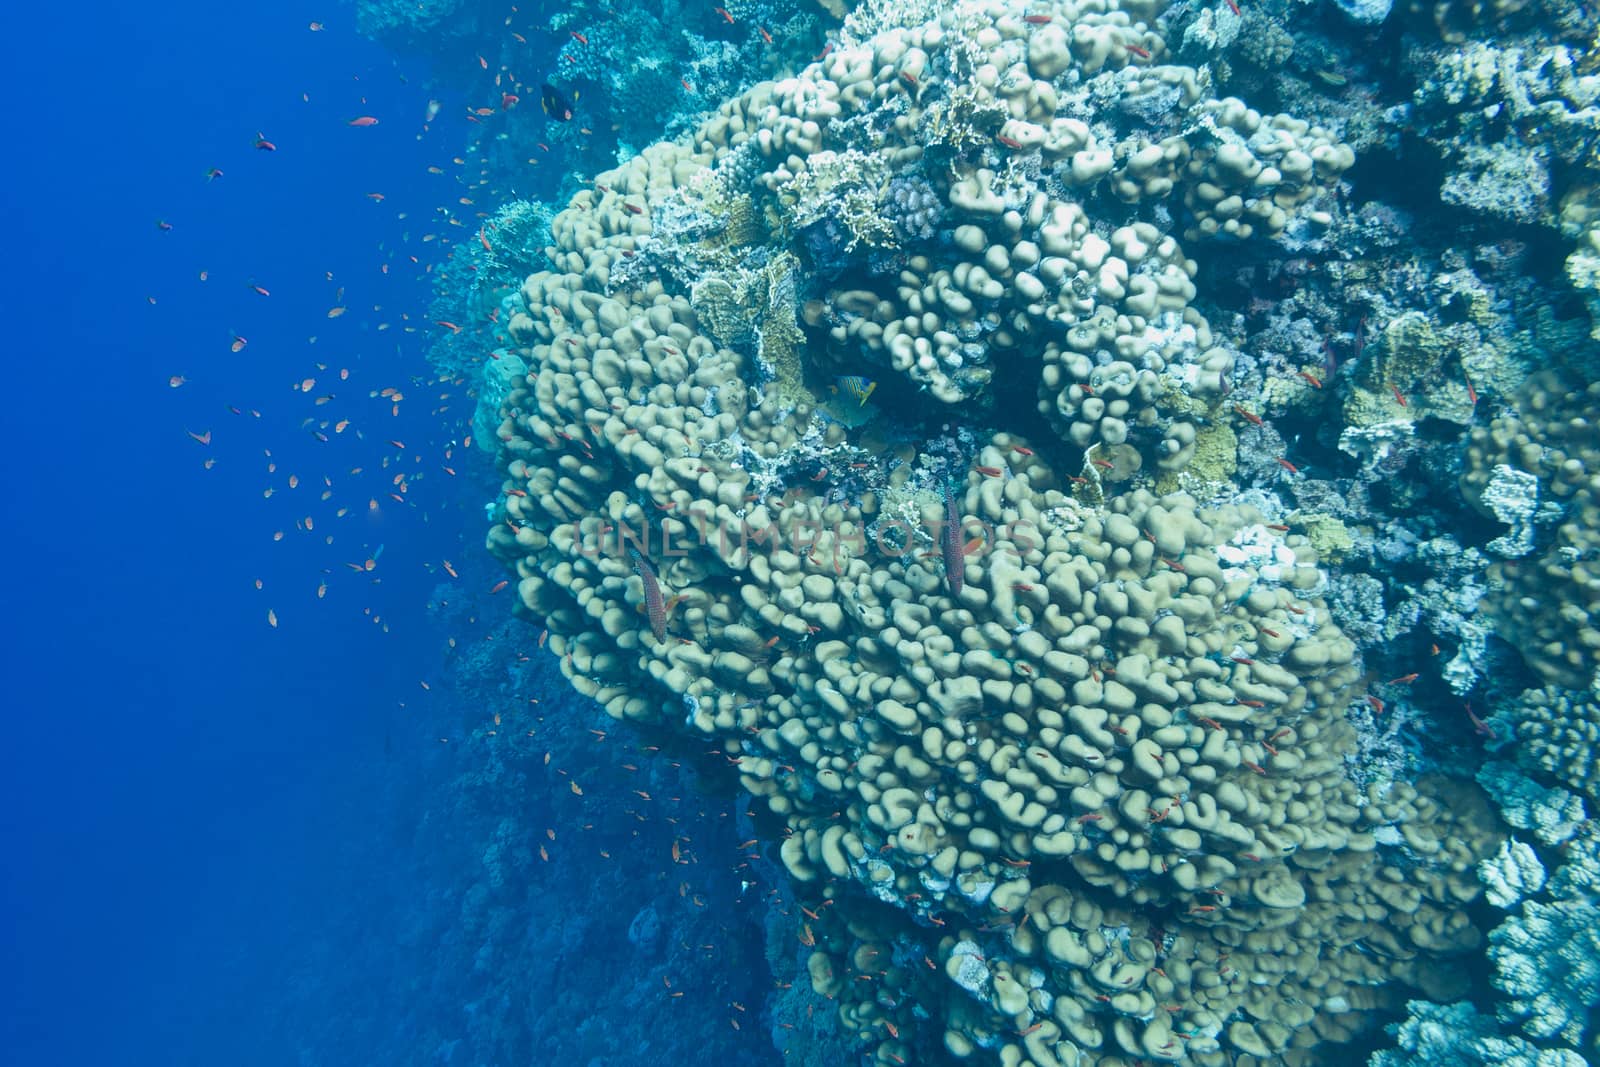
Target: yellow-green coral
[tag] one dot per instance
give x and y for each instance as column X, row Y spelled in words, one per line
column 1101, row 778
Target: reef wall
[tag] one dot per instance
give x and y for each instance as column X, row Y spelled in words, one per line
column 1085, row 504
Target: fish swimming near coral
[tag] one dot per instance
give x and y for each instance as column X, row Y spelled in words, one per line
column 654, row 606
column 856, row 386
column 555, row 105
column 954, row 554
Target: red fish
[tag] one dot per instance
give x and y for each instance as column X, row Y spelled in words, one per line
column 362, row 120
column 654, row 606
column 265, row 145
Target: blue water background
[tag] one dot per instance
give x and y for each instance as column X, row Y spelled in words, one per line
column 183, row 786
column 231, row 843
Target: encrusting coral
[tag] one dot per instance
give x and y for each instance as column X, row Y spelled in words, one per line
column 1547, row 604
column 1091, row 767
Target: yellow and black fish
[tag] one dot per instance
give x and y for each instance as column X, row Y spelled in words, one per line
column 555, row 105
column 856, row 386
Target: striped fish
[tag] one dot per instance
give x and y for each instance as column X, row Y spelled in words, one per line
column 654, row 606
column 856, row 386
column 954, row 553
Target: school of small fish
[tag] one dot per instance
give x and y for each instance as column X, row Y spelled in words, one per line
column 334, row 511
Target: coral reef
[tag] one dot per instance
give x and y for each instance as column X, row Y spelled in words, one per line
column 1091, row 771
column 1545, row 457
column 1456, row 1035
column 1040, row 457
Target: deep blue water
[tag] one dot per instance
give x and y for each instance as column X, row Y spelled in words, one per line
column 179, row 779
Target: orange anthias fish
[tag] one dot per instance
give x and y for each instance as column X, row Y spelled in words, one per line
column 265, row 145
column 362, row 120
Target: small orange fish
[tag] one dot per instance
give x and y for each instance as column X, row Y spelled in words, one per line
column 451, row 571
column 176, row 380
column 724, row 14
column 259, row 289
column 335, row 312
column 316, row 27
column 272, row 618
column 375, row 196
column 501, row 584
column 580, row 38
column 765, row 36
column 362, row 120
column 263, row 144
column 203, row 438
